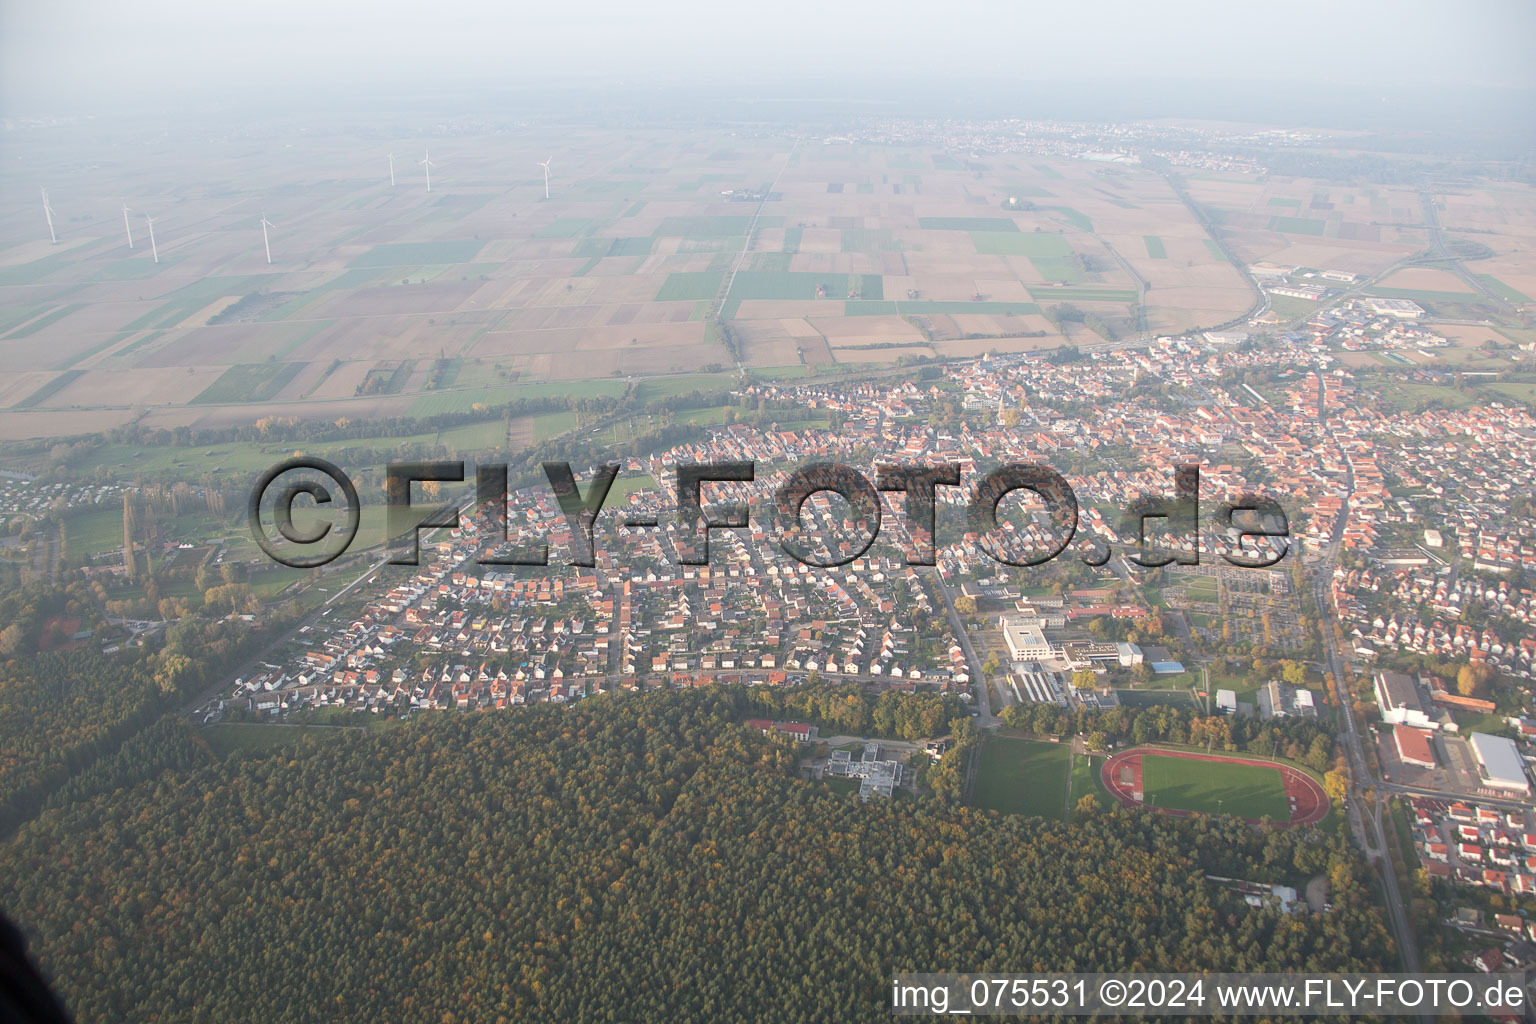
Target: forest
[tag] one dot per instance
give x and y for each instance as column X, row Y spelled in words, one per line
column 627, row 858
column 64, row 707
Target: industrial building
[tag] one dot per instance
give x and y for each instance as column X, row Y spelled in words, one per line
column 1413, row 746
column 1499, row 763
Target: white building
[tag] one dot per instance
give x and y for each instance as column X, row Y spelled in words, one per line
column 1398, row 309
column 1500, row 764
column 1025, row 638
column 1397, row 696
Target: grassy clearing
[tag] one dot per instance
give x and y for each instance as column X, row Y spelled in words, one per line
column 1155, row 249
column 625, row 485
column 1410, row 397
column 1209, row 787
column 1023, row 777
column 228, row 737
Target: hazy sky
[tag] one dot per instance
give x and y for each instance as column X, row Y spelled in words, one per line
column 89, row 54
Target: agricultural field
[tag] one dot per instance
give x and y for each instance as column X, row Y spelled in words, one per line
column 644, row 262
column 1019, row 776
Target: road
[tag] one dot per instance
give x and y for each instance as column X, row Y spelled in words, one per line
column 1368, row 828
column 986, row 720
column 1442, row 254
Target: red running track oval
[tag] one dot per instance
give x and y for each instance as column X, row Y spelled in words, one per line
column 1121, row 775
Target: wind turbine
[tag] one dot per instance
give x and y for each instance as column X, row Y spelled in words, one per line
column 545, row 165
column 264, row 225
column 427, row 163
column 391, row 170
column 48, row 212
column 126, row 226
column 150, row 221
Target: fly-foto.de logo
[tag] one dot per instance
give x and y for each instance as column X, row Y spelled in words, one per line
column 1164, row 529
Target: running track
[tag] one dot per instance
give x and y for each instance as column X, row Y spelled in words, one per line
column 1308, row 801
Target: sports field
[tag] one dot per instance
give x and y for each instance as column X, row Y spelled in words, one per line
column 1019, row 776
column 1186, row 782
column 1248, row 791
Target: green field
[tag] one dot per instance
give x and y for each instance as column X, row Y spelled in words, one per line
column 768, row 284
column 409, row 254
column 654, row 389
column 1041, row 244
column 1181, row 783
column 1503, row 290
column 248, row 382
column 1516, row 389
column 1151, row 698
column 1085, row 294
column 967, row 224
column 702, row 227
column 1424, row 296
column 32, row 327
column 855, row 307
column 613, row 247
column 1085, row 780
column 1076, row 218
column 96, row 530
column 185, row 301
column 1023, row 777
column 1155, row 248
column 568, row 227
column 465, row 401
column 49, row 389
column 694, row 285
column 551, row 424
column 1063, row 270
column 1297, row 225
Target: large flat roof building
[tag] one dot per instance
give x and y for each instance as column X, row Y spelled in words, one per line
column 1397, row 695
column 1025, row 638
column 1500, row 763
